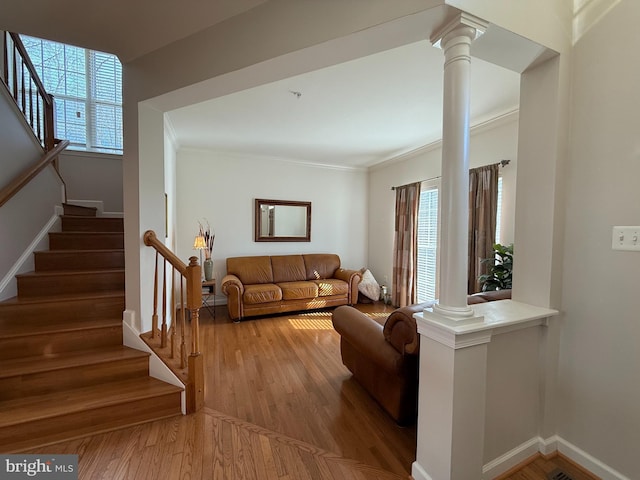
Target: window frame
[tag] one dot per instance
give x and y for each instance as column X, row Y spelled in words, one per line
column 90, row 102
column 434, row 184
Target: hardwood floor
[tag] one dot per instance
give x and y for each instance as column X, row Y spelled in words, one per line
column 207, row 445
column 279, row 405
column 284, row 373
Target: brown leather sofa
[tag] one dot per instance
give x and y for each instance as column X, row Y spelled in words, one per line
column 263, row 285
column 383, row 354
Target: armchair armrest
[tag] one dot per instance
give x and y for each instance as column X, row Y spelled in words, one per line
column 352, row 277
column 366, row 336
column 401, row 329
column 232, row 287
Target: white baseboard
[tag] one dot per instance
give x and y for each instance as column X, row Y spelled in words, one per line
column 582, row 458
column 419, row 473
column 8, row 284
column 97, row 204
column 549, row 445
column 537, row 444
column 546, row 447
column 511, row 459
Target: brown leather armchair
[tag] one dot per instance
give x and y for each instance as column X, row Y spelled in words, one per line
column 383, row 354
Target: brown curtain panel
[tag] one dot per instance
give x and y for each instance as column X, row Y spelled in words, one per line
column 483, row 203
column 405, row 257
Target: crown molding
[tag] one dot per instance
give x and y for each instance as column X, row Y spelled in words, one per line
column 586, row 13
column 291, row 161
column 483, row 126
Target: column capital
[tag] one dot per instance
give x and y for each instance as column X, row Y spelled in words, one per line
column 468, row 25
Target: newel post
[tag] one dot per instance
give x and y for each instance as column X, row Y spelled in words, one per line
column 195, row 384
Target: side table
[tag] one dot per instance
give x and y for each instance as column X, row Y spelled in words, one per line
column 209, row 296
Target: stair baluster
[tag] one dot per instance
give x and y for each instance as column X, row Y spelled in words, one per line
column 163, row 333
column 154, row 317
column 174, row 315
column 191, row 275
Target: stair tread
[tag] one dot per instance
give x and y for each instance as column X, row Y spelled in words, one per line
column 79, row 251
column 71, row 273
column 91, row 218
column 84, row 233
column 29, row 409
column 37, row 328
column 58, row 361
column 64, row 298
column 90, row 211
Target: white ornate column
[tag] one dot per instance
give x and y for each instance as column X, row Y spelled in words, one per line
column 455, row 40
column 453, row 360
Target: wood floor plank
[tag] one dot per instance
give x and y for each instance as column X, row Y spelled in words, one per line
column 286, row 373
column 279, row 404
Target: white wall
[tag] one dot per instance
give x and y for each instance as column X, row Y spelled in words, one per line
column 212, row 63
column 547, row 22
column 599, row 391
column 25, row 217
column 19, row 146
column 93, row 176
column 597, row 387
column 222, row 187
column 490, row 143
column 170, row 156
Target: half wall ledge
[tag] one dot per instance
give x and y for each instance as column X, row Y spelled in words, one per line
column 490, row 318
column 467, row 368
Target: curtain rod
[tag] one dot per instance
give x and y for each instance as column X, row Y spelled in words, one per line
column 502, row 163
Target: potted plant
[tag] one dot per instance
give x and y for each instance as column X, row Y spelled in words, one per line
column 500, row 269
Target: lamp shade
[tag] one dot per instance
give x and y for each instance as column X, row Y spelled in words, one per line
column 199, row 243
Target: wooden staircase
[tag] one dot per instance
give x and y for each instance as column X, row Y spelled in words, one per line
column 64, row 372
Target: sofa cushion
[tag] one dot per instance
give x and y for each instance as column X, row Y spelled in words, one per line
column 321, row 265
column 331, row 286
column 298, row 290
column 288, row 268
column 251, row 270
column 261, row 293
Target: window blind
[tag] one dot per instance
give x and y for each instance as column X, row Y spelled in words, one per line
column 427, row 243
column 427, row 279
column 87, row 90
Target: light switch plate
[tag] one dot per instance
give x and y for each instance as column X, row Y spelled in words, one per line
column 626, row 238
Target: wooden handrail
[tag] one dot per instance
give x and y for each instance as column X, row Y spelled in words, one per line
column 32, row 70
column 151, row 240
column 29, row 173
column 191, row 276
column 21, row 89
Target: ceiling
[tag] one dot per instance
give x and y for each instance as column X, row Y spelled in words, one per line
column 114, row 26
column 355, row 114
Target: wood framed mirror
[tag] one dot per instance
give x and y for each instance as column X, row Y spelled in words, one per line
column 282, row 221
